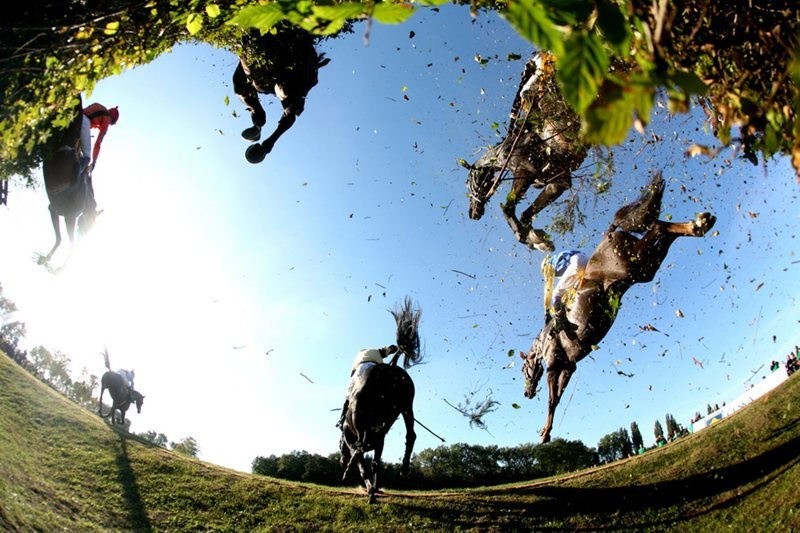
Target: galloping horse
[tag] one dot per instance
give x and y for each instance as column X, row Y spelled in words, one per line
column 541, row 149
column 378, row 396
column 284, row 64
column 71, row 195
column 121, row 396
column 619, row 261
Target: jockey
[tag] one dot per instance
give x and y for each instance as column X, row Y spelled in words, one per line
column 364, row 360
column 127, row 378
column 95, row 116
column 568, row 266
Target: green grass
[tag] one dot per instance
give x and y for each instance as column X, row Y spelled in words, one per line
column 63, row 468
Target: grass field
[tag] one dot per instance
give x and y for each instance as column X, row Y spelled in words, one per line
column 63, row 468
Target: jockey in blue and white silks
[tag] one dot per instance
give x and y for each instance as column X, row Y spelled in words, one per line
column 568, row 266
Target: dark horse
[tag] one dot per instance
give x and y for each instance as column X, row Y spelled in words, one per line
column 378, row 395
column 121, row 396
column 619, row 261
column 542, row 148
column 70, row 192
column 285, row 64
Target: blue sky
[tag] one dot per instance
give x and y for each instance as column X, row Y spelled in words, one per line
column 240, row 293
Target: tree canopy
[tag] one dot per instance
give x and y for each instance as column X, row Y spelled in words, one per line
column 613, row 57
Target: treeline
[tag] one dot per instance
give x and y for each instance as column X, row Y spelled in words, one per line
column 457, row 465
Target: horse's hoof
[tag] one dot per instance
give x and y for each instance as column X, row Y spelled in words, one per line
column 252, row 134
column 538, row 240
column 255, row 154
column 702, row 223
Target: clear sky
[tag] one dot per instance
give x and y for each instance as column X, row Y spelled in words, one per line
column 240, row 293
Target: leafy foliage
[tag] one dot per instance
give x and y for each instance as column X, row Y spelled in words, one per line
column 613, row 56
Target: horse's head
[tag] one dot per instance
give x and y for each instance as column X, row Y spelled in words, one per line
column 481, row 185
column 532, row 371
column 138, row 399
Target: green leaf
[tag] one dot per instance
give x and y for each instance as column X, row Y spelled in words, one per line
column 569, row 12
column 581, row 69
column 194, row 23
column 260, row 17
column 111, row 28
column 689, row 82
column 511, row 352
column 612, row 22
column 212, row 10
column 346, row 10
column 608, row 121
column 530, row 20
column 392, row 13
column 516, row 406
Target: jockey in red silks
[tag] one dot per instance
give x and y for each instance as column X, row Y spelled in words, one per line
column 95, row 116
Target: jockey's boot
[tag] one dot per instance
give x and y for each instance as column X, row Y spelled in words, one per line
column 83, row 165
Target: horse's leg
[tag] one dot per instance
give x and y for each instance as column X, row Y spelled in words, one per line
column 411, row 437
column 292, row 108
column 649, row 252
column 550, row 193
column 57, row 230
column 558, row 376
column 100, row 407
column 522, row 229
column 376, row 468
column 249, row 97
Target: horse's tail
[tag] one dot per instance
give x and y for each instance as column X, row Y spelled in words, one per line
column 408, row 343
column 105, row 358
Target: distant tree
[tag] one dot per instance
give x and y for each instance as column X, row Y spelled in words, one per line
column 187, row 446
column 614, row 446
column 51, row 367
column 560, row 455
column 672, row 427
column 13, row 332
column 636, row 437
column 266, row 466
column 82, row 390
column 658, row 431
column 159, row 439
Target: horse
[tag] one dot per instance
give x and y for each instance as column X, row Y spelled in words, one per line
column 378, row 395
column 284, row 64
column 620, row 260
column 122, row 397
column 69, row 191
column 542, row 148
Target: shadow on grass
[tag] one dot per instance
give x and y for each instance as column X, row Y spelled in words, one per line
column 137, row 514
column 644, row 505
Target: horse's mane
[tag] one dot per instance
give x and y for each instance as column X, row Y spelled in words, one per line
column 408, row 343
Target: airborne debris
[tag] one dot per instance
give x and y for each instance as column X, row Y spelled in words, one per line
column 476, row 413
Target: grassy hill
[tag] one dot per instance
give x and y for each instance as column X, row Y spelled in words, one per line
column 62, row 467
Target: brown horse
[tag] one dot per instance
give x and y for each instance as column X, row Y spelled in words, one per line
column 69, row 191
column 542, row 149
column 619, row 261
column 284, row 64
column 377, row 396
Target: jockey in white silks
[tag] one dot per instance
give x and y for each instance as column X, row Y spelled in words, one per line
column 127, row 376
column 364, row 359
column 569, row 267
